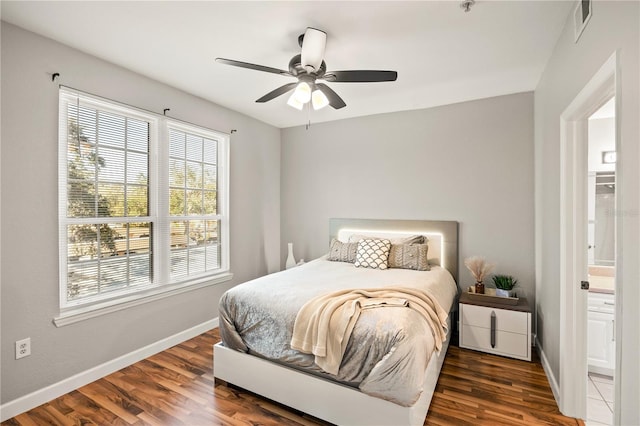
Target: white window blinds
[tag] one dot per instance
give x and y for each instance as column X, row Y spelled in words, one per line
column 139, row 198
column 193, row 192
column 106, row 223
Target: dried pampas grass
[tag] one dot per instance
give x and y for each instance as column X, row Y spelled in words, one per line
column 478, row 267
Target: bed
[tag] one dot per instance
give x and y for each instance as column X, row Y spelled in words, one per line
column 384, row 377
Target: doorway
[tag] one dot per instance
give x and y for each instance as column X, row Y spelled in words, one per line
column 574, row 236
column 601, row 260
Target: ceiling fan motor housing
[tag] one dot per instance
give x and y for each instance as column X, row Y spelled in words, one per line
column 296, row 69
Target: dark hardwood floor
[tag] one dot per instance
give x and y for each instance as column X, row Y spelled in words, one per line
column 176, row 387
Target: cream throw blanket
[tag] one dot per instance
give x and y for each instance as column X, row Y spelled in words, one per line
column 324, row 324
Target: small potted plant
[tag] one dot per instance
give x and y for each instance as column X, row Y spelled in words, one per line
column 504, row 285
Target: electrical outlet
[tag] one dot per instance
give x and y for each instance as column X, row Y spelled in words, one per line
column 23, row 348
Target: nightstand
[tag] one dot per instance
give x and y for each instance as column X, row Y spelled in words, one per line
column 496, row 328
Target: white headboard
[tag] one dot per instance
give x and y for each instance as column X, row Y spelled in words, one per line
column 442, row 235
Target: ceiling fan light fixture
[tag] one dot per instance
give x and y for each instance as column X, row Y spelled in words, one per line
column 302, row 93
column 319, row 100
column 293, row 102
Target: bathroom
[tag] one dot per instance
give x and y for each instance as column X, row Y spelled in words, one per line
column 601, row 259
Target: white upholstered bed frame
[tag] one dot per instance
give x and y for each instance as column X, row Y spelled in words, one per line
column 332, row 401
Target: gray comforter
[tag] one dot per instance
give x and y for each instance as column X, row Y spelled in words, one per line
column 389, row 347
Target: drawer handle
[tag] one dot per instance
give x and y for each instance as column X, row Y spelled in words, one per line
column 493, row 329
column 613, row 330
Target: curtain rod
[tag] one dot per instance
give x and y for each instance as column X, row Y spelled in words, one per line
column 164, row 114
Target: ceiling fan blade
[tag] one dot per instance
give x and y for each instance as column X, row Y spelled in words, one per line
column 252, row 66
column 313, row 44
column 360, row 76
column 275, row 93
column 334, row 100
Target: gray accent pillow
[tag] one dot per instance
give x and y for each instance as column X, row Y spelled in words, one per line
column 409, row 256
column 342, row 252
column 373, row 254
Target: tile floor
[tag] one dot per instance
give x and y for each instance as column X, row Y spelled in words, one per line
column 599, row 400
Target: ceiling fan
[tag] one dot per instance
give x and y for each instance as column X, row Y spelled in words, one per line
column 309, row 67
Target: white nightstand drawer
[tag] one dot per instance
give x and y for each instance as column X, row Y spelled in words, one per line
column 508, row 344
column 509, row 321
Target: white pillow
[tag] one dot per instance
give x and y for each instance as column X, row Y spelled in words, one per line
column 373, row 254
column 413, row 239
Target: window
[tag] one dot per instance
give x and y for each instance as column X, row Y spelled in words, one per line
column 142, row 203
column 193, row 203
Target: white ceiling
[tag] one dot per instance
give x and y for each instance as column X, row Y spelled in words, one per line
column 442, row 54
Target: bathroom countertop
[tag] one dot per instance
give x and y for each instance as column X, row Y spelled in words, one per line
column 599, row 284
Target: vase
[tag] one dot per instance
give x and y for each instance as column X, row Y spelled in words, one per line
column 504, row 293
column 291, row 261
column 479, row 287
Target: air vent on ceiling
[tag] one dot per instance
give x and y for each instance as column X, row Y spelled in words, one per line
column 581, row 16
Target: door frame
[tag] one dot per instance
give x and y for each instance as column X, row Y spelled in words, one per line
column 573, row 234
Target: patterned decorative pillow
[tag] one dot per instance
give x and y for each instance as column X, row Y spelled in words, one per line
column 409, row 256
column 413, row 239
column 373, row 254
column 342, row 252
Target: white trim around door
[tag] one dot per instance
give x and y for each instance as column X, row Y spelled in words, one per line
column 573, row 239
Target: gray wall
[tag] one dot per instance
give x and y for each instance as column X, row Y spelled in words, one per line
column 614, row 25
column 29, row 212
column 471, row 162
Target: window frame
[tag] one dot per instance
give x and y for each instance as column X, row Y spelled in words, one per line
column 222, row 187
column 159, row 216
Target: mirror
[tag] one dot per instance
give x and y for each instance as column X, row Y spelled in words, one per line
column 601, row 186
column 604, row 220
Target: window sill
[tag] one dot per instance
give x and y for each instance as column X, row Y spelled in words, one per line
column 81, row 313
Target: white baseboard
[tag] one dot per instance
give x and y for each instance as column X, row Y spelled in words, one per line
column 39, row 397
column 547, row 370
